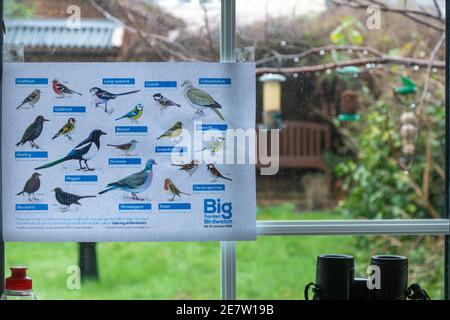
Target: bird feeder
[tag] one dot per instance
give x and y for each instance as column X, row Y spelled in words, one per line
column 408, row 133
column 272, row 100
column 349, row 100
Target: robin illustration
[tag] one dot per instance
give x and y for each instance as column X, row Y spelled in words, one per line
column 31, row 186
column 171, row 189
column 173, row 132
column 190, row 167
column 66, row 130
column 32, row 132
column 32, row 98
column 215, row 173
column 101, row 96
column 134, row 114
column 61, row 90
column 68, row 199
column 125, row 147
column 200, row 100
column 164, row 102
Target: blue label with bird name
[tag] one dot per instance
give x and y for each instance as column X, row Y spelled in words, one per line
column 32, row 207
column 81, row 179
column 215, row 81
column 124, row 161
column 174, row 206
column 36, row 155
column 69, row 109
column 119, row 81
column 160, row 84
column 208, row 187
column 135, row 206
column 131, row 130
column 206, row 127
column 170, row 149
column 32, row 81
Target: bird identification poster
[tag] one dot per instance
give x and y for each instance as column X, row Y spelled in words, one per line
column 128, row 152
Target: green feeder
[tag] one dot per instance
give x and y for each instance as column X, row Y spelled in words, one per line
column 349, row 100
column 408, row 87
column 349, row 117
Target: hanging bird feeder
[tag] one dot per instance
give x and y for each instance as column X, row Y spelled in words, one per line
column 408, row 133
column 349, row 100
column 272, row 100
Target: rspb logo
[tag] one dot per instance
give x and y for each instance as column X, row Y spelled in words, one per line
column 217, row 213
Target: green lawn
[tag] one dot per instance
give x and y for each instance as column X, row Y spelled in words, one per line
column 270, row 268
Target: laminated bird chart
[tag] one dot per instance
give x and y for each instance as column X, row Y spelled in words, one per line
column 128, row 152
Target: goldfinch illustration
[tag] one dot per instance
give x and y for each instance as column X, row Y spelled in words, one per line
column 66, row 130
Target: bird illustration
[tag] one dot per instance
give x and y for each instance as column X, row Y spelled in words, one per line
column 32, row 132
column 172, row 189
column 66, row 130
column 85, row 151
column 135, row 183
column 214, row 146
column 101, row 96
column 31, row 186
column 173, row 132
column 164, row 102
column 32, row 98
column 61, row 90
column 215, row 173
column 190, row 167
column 200, row 100
column 68, row 199
column 134, row 114
column 125, row 147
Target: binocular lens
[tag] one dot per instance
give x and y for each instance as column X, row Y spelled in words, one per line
column 393, row 277
column 334, row 276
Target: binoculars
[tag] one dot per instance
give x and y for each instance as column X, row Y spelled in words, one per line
column 335, row 280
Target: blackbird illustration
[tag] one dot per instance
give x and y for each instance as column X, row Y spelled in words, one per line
column 32, row 98
column 101, row 96
column 164, row 102
column 134, row 114
column 190, row 167
column 135, row 183
column 173, row 132
column 66, row 130
column 125, row 147
column 215, row 173
column 85, row 151
column 68, row 199
column 31, row 186
column 32, row 132
column 61, row 90
column 171, row 189
column 200, row 100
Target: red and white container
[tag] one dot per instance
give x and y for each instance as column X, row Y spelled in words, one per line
column 18, row 286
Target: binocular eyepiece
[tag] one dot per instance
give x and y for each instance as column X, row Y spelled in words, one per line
column 335, row 279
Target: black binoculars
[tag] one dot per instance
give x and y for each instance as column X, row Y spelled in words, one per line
column 335, row 280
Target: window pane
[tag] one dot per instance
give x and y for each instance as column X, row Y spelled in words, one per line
column 361, row 109
column 280, row 267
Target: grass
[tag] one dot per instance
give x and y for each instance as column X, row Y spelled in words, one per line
column 269, row 268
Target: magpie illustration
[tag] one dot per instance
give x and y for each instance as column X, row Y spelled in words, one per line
column 101, row 96
column 32, row 132
column 164, row 102
column 68, row 199
column 85, row 151
column 31, row 186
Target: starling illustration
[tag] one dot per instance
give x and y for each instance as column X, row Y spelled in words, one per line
column 173, row 132
column 134, row 114
column 200, row 100
column 101, row 96
column 31, row 186
column 135, row 183
column 85, row 151
column 32, row 98
column 215, row 173
column 190, row 167
column 164, row 102
column 171, row 188
column 126, row 147
column 68, row 199
column 66, row 130
column 214, row 146
column 62, row 90
column 32, row 132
